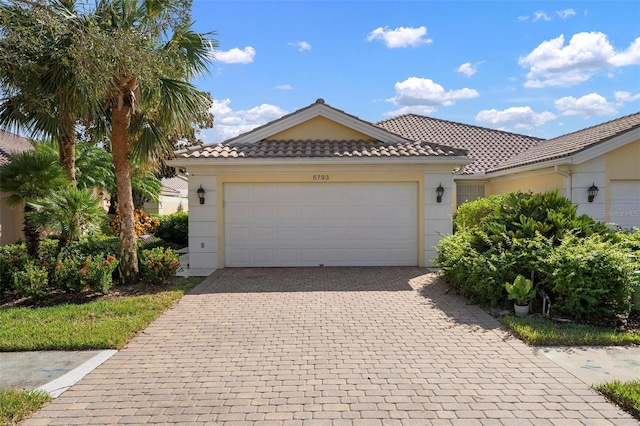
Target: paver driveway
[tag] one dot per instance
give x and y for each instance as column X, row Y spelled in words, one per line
column 361, row 346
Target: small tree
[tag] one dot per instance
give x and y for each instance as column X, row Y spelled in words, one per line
column 70, row 214
column 28, row 177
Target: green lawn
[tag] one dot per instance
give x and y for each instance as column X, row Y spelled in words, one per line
column 625, row 394
column 16, row 405
column 105, row 324
column 538, row 331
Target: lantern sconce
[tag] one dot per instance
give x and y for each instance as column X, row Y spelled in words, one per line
column 439, row 193
column 201, row 193
column 592, row 191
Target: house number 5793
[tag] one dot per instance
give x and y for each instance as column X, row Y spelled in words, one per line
column 320, row 177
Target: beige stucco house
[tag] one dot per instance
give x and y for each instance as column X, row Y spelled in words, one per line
column 606, row 156
column 173, row 197
column 10, row 219
column 321, row 187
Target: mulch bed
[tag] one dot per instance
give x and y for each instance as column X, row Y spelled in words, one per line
column 9, row 299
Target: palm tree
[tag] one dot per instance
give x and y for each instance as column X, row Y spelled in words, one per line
column 42, row 91
column 154, row 54
column 70, row 213
column 28, row 177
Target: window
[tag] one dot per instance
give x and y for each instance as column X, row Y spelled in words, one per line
column 468, row 192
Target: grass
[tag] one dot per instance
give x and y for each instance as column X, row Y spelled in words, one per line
column 103, row 324
column 537, row 331
column 16, row 405
column 625, row 394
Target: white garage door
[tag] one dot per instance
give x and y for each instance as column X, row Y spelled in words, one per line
column 625, row 203
column 312, row 224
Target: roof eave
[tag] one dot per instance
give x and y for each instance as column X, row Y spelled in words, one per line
column 186, row 162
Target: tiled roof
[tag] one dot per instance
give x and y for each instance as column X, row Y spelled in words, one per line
column 10, row 143
column 319, row 149
column 488, row 147
column 571, row 143
column 176, row 183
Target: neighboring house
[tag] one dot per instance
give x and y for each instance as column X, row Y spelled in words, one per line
column 606, row 156
column 10, row 219
column 320, row 187
column 173, row 197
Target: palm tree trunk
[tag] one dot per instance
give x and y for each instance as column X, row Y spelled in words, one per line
column 67, row 147
column 31, row 234
column 120, row 148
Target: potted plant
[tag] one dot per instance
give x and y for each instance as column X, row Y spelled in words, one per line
column 521, row 292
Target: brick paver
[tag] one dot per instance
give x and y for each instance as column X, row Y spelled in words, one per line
column 328, row 346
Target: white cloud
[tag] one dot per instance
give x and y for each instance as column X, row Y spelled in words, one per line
column 425, row 92
column 626, row 96
column 236, row 56
column 540, row 16
column 566, row 13
column 229, row 123
column 554, row 64
column 301, row 45
column 400, row 37
column 523, row 17
column 468, row 69
column 516, row 117
column 284, row 87
column 412, row 109
column 587, row 106
column 631, row 56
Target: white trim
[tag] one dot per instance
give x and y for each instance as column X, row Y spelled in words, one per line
column 603, row 148
column 186, row 162
column 589, row 153
column 317, row 110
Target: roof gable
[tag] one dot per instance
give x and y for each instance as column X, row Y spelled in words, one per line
column 317, row 109
column 600, row 138
column 320, row 131
column 320, row 128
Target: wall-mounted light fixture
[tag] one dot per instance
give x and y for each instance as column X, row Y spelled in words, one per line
column 201, row 193
column 592, row 191
column 439, row 193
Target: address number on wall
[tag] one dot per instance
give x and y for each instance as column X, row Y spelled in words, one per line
column 320, row 177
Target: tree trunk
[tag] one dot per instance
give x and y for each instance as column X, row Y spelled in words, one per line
column 31, row 234
column 120, row 150
column 67, row 147
column 138, row 200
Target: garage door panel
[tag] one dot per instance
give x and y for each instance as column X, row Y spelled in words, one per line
column 625, row 203
column 327, row 224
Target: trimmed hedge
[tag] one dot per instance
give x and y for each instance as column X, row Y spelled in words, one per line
column 172, row 228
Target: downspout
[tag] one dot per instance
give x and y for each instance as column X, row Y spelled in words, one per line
column 569, row 177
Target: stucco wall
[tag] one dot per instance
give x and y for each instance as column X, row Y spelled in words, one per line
column 537, row 181
column 206, row 226
column 320, row 128
column 10, row 223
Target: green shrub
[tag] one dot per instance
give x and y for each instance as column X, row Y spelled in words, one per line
column 93, row 246
column 65, row 275
column 590, row 279
column 31, row 281
column 13, row 258
column 472, row 214
column 159, row 264
column 96, row 273
column 173, row 228
column 479, row 272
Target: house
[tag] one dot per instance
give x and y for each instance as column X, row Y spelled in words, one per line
column 321, row 187
column 605, row 156
column 173, row 197
column 10, row 219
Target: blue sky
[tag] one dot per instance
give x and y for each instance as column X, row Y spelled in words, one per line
column 539, row 68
